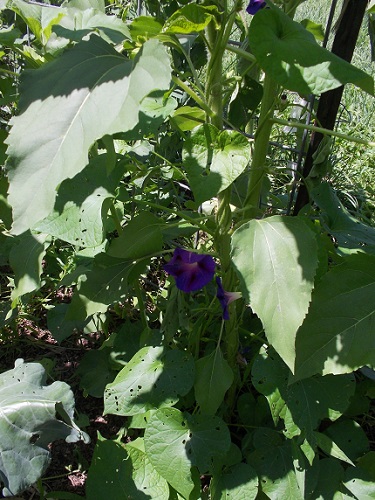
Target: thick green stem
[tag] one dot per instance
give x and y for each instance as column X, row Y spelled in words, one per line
column 193, row 95
column 214, row 89
column 218, row 40
column 262, row 138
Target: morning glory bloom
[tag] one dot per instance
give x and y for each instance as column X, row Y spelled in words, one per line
column 225, row 298
column 192, row 271
column 254, row 6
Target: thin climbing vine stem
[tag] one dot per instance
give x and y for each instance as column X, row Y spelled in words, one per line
column 324, row 131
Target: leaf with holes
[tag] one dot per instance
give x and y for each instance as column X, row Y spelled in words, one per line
column 272, row 459
column 276, row 259
column 153, row 378
column 26, row 258
column 213, row 160
column 349, row 437
column 176, row 441
column 94, row 91
column 106, row 283
column 80, row 212
column 32, row 415
column 119, row 472
column 359, row 483
column 329, row 447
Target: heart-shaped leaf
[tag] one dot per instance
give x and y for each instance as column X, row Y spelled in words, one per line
column 176, row 441
column 238, row 483
column 153, row 378
column 120, row 472
column 214, row 159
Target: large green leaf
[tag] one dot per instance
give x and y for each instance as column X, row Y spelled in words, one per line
column 276, row 260
column 40, row 18
column 141, row 237
column 93, row 91
column 26, row 258
column 84, row 17
column 350, row 234
column 273, row 461
column 32, row 415
column 191, row 18
column 187, row 117
column 338, row 334
column 80, row 212
column 106, row 283
column 350, row 437
column 153, row 378
column 213, row 378
column 213, row 160
column 289, row 53
column 176, row 441
column 305, row 404
column 359, row 483
column 240, row 482
column 71, row 21
column 330, row 481
column 121, row 472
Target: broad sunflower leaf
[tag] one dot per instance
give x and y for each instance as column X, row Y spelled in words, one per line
column 88, row 92
column 291, row 56
column 337, row 335
column 80, row 213
column 276, row 259
column 26, row 258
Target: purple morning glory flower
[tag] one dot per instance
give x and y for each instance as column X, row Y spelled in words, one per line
column 192, row 271
column 225, row 298
column 254, row 6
